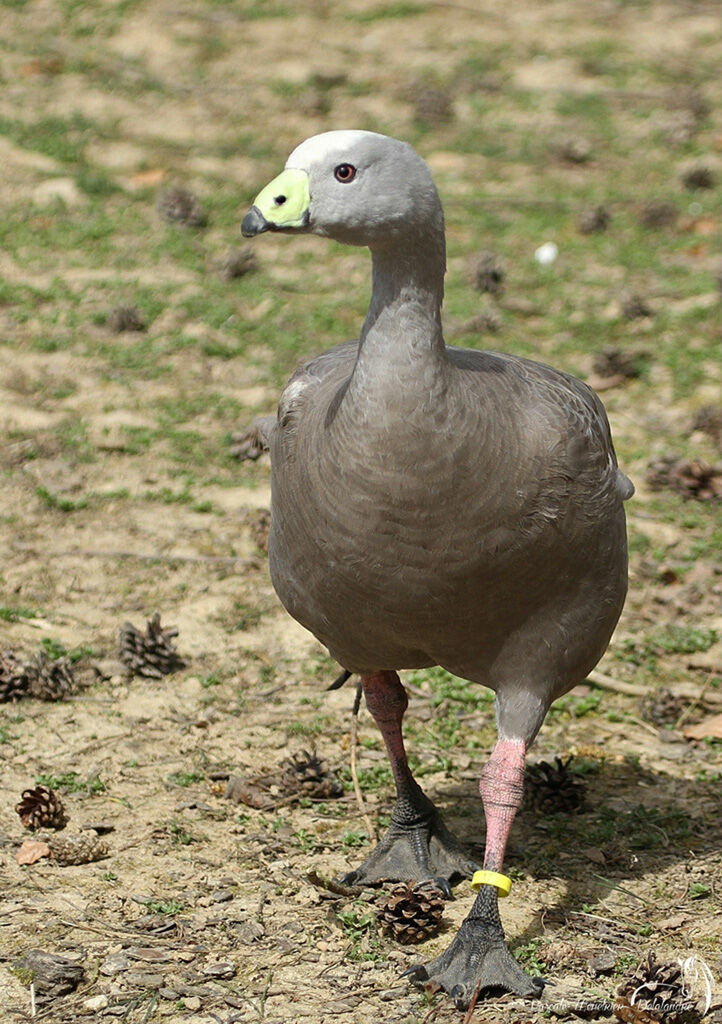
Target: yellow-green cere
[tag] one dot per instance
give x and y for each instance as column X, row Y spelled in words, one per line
column 285, row 200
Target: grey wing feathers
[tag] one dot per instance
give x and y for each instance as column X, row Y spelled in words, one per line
column 596, row 426
column 338, row 363
column 588, row 435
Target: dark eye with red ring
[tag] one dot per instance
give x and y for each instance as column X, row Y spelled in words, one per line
column 344, row 173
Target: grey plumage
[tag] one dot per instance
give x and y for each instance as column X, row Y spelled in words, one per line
column 434, row 505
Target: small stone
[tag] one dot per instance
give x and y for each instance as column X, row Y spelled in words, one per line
column 114, row 964
column 595, row 855
column 145, row 979
column 670, row 924
column 101, row 828
column 150, row 954
column 53, row 975
column 95, row 1003
column 573, row 149
column 223, row 971
column 222, row 896
column 603, row 963
column 389, row 994
column 251, row 931
column 546, row 254
column 192, row 1003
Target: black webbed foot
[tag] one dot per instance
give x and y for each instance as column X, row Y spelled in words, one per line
column 477, row 958
column 419, row 851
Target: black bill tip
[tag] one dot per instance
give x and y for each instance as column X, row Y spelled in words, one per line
column 254, row 223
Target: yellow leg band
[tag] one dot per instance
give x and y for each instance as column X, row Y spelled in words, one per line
column 502, row 882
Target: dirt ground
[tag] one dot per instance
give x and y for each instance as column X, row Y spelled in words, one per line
column 202, row 909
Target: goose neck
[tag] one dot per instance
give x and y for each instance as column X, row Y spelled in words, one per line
column 407, row 292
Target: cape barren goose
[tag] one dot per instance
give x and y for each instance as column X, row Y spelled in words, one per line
column 437, row 506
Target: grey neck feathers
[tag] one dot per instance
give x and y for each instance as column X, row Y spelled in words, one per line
column 404, row 315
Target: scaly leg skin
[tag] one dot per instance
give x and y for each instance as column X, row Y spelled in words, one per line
column 478, row 957
column 417, row 844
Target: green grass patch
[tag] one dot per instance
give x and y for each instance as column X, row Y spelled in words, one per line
column 14, row 613
column 386, row 12
column 71, row 782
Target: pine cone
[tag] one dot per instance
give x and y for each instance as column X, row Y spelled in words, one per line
column 698, row 175
column 126, row 318
column 306, row 773
column 14, row 680
column 709, row 418
column 489, row 273
column 661, row 706
column 635, row 307
column 250, row 444
column 594, row 218
column 551, row 788
column 658, row 213
column 183, row 207
column 411, row 912
column 41, row 808
column 655, row 994
column 239, row 263
column 614, row 362
column 50, row 678
column 692, row 478
column 151, row 654
column 81, row 848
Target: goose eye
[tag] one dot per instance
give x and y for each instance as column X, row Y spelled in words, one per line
column 344, row 173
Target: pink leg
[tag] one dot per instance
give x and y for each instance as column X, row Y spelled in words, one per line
column 502, row 789
column 417, row 844
column 387, row 701
column 478, row 957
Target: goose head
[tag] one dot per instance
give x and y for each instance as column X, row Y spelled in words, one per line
column 357, row 187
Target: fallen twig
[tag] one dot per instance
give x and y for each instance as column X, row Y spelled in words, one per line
column 605, row 682
column 153, row 557
column 329, row 885
column 695, row 702
column 354, row 776
column 472, row 1003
